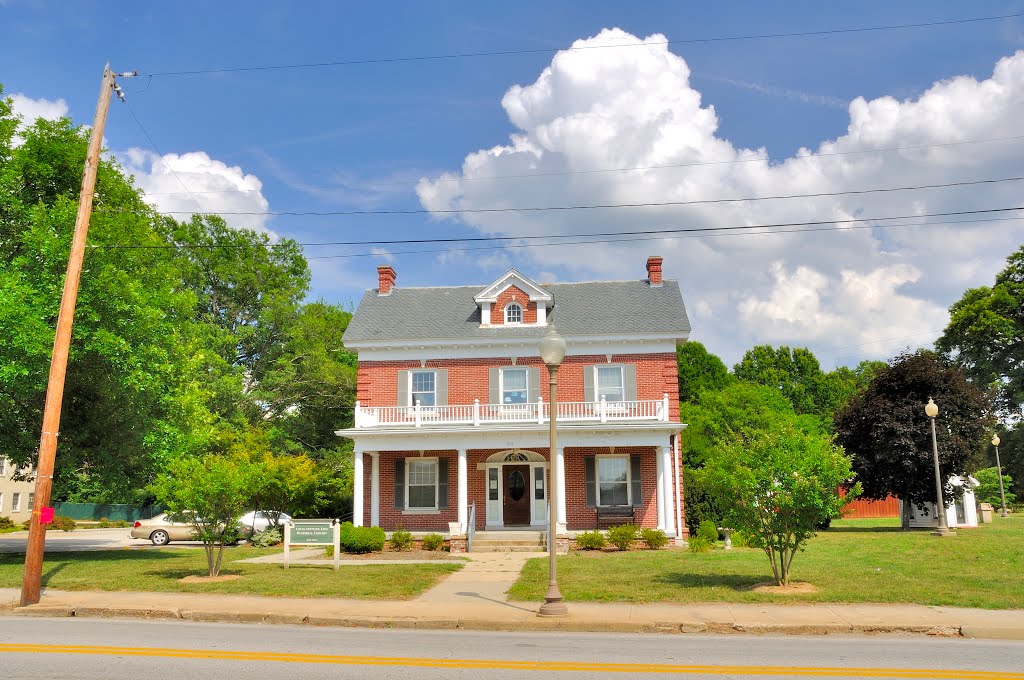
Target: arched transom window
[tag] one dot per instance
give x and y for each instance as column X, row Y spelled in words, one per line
column 513, row 313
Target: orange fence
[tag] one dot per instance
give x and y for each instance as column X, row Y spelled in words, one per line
column 863, row 508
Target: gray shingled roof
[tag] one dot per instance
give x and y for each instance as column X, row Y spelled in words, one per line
column 592, row 308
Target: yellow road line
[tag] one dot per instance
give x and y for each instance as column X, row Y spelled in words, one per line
column 499, row 664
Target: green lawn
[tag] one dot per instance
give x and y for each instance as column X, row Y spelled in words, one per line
column 854, row 561
column 160, row 570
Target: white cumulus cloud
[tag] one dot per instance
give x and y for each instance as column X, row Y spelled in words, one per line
column 188, row 183
column 594, row 112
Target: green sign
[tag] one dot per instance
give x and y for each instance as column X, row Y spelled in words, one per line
column 312, row 532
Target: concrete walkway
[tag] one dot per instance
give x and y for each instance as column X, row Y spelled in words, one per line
column 475, row 598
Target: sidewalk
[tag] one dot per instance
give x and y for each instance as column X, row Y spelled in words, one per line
column 474, row 598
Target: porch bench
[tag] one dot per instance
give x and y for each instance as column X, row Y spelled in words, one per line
column 610, row 513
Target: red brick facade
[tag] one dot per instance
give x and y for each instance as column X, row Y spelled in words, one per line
column 656, row 375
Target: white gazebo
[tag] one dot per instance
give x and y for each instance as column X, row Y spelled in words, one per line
column 960, row 513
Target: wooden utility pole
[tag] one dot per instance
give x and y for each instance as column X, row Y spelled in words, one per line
column 32, row 578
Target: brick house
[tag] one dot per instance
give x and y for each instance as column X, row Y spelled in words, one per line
column 452, row 413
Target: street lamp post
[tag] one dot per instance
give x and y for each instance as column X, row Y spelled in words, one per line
column 932, row 410
column 999, row 471
column 552, row 351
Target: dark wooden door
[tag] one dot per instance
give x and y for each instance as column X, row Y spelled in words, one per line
column 516, row 495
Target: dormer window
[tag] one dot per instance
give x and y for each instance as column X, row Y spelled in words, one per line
column 513, row 313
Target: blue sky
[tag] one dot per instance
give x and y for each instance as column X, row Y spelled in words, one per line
column 728, row 116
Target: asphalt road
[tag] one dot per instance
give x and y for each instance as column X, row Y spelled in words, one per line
column 78, row 540
column 41, row 648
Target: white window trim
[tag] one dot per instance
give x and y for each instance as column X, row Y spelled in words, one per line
column 597, row 383
column 597, row 479
column 15, row 501
column 3, row 466
column 31, row 501
column 522, row 314
column 501, row 385
column 437, row 480
column 412, row 374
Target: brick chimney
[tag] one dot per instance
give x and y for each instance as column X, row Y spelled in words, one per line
column 654, row 270
column 386, row 279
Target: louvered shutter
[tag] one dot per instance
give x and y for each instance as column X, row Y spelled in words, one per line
column 442, row 483
column 441, row 386
column 403, row 389
column 400, row 484
column 588, row 383
column 590, row 477
column 636, row 488
column 533, row 385
column 493, row 378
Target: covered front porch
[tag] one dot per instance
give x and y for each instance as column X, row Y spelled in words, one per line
column 430, row 479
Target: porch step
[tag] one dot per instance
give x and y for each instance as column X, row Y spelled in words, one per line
column 509, row 541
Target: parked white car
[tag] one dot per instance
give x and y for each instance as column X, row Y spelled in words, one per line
column 260, row 520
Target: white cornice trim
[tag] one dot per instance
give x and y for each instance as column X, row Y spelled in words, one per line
column 522, row 347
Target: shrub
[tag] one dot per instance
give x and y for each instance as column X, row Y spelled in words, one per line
column 433, row 542
column 622, row 536
column 700, row 544
column 6, row 523
column 122, row 524
column 654, row 538
column 739, row 539
column 104, row 523
column 708, row 531
column 266, row 538
column 26, row 524
column 401, row 539
column 63, row 523
column 362, row 539
column 590, row 540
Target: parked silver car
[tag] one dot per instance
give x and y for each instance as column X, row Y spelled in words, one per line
column 260, row 520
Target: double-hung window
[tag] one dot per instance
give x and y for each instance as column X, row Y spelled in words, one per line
column 3, row 466
column 609, row 383
column 423, row 386
column 513, row 313
column 421, row 483
column 613, row 480
column 15, row 502
column 514, row 385
column 31, row 501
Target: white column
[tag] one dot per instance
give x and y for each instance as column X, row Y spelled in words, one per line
column 375, row 489
column 560, row 485
column 670, row 514
column 357, row 488
column 463, row 494
column 661, row 488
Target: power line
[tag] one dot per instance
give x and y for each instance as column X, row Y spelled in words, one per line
column 648, row 232
column 671, row 166
column 499, row 53
column 599, row 206
column 159, row 153
column 657, row 238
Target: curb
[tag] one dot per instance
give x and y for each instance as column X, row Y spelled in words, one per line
column 565, row 625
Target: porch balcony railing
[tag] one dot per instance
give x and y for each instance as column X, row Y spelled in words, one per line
column 477, row 414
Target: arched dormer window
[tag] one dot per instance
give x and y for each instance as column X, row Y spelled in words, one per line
column 513, row 313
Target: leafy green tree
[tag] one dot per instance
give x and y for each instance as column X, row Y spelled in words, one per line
column 717, row 418
column 133, row 394
column 886, row 430
column 211, row 493
column 987, row 490
column 777, row 486
column 699, row 371
column 985, row 335
column 796, row 373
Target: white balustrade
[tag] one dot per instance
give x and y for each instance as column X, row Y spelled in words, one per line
column 477, row 414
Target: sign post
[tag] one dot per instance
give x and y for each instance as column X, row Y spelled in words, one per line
column 313, row 532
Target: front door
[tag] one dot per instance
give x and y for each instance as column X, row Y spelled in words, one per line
column 516, row 496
